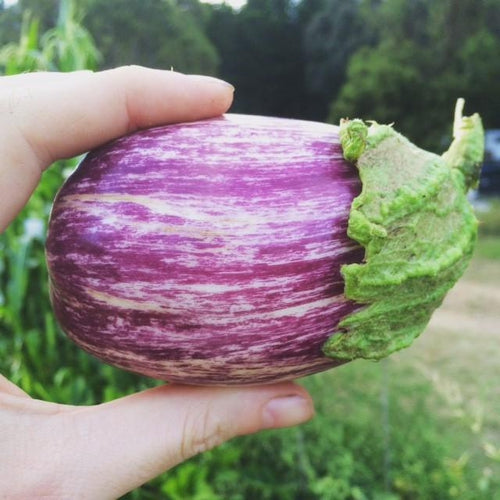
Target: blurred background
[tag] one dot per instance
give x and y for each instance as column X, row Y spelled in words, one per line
column 423, row 424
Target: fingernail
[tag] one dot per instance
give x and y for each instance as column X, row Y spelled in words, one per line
column 212, row 79
column 286, row 411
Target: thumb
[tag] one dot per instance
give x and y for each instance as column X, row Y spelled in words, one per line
column 131, row 440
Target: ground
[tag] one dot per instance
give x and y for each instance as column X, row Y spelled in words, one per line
column 463, row 338
column 459, row 354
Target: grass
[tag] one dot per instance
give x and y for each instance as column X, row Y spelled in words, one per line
column 488, row 214
column 488, row 247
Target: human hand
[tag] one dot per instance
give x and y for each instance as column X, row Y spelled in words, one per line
column 61, row 451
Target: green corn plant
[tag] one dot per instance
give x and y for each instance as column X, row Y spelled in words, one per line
column 25, row 55
column 33, row 353
column 69, row 46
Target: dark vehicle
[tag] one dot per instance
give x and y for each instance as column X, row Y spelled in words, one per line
column 489, row 183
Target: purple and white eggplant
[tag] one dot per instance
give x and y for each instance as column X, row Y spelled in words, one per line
column 217, row 252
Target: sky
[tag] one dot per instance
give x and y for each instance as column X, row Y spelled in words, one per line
column 234, row 3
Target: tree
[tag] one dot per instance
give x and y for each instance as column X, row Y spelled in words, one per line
column 479, row 74
column 429, row 54
column 152, row 33
column 261, row 54
column 10, row 23
column 46, row 12
column 331, row 35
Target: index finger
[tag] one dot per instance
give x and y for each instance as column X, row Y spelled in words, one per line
column 84, row 109
column 47, row 117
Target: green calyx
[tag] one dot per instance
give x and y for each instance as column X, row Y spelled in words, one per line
column 417, row 228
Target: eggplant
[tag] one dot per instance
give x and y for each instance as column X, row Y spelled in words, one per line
column 245, row 250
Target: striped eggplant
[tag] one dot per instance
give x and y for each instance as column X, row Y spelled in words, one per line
column 245, row 250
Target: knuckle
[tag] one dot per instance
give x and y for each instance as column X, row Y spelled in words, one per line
column 130, row 71
column 203, row 430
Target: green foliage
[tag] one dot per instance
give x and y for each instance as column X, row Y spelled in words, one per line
column 24, row 55
column 66, row 47
column 10, row 24
column 379, row 81
column 378, row 434
column 69, row 45
column 46, row 11
column 488, row 247
column 332, row 33
column 428, row 54
column 261, row 55
column 479, row 74
column 152, row 33
column 488, row 214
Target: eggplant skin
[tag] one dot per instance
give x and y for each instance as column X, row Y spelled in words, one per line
column 207, row 252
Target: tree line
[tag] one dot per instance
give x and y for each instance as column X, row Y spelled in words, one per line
column 401, row 61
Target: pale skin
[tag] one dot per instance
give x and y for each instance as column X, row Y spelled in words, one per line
column 58, row 451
